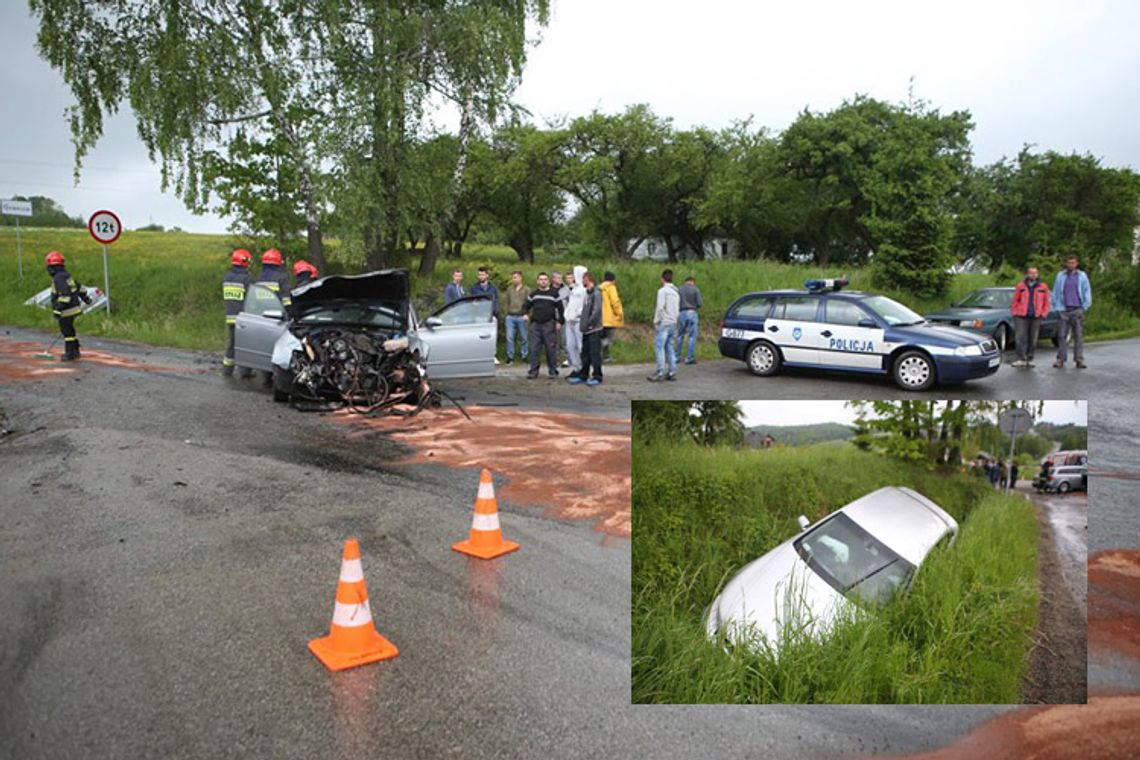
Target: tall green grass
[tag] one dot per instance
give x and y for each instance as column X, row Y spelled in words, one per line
column 699, row 515
column 166, row 286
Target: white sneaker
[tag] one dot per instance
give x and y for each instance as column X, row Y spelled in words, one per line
column 496, row 361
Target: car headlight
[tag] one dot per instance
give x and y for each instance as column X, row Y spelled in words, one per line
column 974, row 350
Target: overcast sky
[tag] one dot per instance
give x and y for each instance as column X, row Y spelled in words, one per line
column 1060, row 75
column 812, row 412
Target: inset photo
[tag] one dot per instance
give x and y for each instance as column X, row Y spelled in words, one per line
column 912, row 551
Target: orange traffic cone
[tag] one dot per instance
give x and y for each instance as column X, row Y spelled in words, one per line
column 352, row 639
column 486, row 540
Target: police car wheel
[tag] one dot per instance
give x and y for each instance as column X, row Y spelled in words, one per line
column 914, row 371
column 763, row 358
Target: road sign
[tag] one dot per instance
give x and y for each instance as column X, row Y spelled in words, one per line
column 105, row 227
column 1015, row 421
column 16, row 208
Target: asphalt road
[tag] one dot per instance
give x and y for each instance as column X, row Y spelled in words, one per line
column 172, row 540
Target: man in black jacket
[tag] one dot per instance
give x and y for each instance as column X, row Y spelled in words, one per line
column 543, row 312
column 66, row 294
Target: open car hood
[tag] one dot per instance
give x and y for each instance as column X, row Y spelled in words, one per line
column 384, row 285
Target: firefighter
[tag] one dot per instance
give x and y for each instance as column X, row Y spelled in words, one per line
column 273, row 275
column 66, row 294
column 304, row 272
column 234, row 285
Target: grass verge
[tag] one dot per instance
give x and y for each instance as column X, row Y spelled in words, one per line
column 960, row 635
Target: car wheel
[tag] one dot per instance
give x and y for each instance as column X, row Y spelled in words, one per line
column 1004, row 338
column 914, row 371
column 1063, row 487
column 282, row 388
column 763, row 358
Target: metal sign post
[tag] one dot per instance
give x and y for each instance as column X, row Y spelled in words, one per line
column 17, row 209
column 105, row 227
column 1014, row 422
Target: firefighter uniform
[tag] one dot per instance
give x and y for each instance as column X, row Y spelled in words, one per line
column 234, row 285
column 277, row 280
column 66, row 298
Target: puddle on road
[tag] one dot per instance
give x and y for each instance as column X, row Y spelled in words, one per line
column 1068, row 516
column 577, row 465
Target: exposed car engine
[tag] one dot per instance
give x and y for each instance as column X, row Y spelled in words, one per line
column 370, row 372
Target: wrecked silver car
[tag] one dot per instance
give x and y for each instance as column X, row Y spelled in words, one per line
column 357, row 340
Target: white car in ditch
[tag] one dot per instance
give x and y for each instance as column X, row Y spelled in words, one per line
column 866, row 552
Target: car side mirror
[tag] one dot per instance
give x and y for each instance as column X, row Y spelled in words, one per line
column 273, row 314
column 865, row 322
column 433, row 322
column 804, row 523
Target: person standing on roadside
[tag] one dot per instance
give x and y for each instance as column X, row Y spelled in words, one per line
column 591, row 326
column 544, row 314
column 274, row 276
column 613, row 316
column 484, row 287
column 516, row 326
column 1030, row 305
column 665, row 322
column 1013, row 473
column 304, row 272
column 1072, row 297
column 687, row 321
column 572, row 311
column 454, row 290
column 234, row 284
column 66, row 294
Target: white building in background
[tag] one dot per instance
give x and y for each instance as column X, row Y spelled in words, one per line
column 715, row 249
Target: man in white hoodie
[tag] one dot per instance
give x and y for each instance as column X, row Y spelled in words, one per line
column 573, row 312
column 665, row 320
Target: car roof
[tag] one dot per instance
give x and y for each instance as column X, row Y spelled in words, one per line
column 802, row 292
column 906, row 521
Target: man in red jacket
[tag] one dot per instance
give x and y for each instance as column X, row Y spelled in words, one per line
column 1030, row 306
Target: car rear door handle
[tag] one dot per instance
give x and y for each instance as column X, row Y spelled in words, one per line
column 826, row 333
column 773, row 328
column 485, row 336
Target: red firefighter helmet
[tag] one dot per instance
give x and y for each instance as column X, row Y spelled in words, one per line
column 304, row 266
column 272, row 256
column 54, row 259
column 241, row 258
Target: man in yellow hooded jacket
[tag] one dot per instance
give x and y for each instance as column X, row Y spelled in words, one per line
column 612, row 315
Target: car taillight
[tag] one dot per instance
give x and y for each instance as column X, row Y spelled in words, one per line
column 979, row 324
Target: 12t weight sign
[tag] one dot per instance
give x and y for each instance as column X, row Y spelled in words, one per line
column 105, row 227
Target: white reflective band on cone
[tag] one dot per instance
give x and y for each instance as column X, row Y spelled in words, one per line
column 351, row 571
column 486, row 490
column 485, row 522
column 351, row 615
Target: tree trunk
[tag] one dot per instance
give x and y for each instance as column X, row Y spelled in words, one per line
column 430, row 255
column 523, row 245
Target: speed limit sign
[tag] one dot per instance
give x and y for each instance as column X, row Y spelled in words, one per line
column 105, row 227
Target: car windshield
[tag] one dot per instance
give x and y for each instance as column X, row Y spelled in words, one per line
column 852, row 561
column 988, row 299
column 892, row 312
column 385, row 315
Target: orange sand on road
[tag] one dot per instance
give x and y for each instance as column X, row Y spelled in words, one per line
column 18, row 361
column 1114, row 602
column 578, row 465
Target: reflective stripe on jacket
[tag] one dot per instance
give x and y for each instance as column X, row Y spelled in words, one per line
column 66, row 294
column 234, row 285
column 278, row 281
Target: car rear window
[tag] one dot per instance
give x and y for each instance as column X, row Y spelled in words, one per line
column 801, row 308
column 753, row 308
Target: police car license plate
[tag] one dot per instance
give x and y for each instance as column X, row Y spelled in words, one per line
column 995, row 361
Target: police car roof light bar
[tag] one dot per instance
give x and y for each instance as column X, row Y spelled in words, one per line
column 832, row 284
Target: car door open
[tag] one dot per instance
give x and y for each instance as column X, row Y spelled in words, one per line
column 258, row 326
column 461, row 339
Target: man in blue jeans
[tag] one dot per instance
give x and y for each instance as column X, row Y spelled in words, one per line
column 687, row 320
column 514, row 299
column 665, row 321
column 1072, row 297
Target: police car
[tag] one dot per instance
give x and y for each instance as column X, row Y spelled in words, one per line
column 824, row 327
